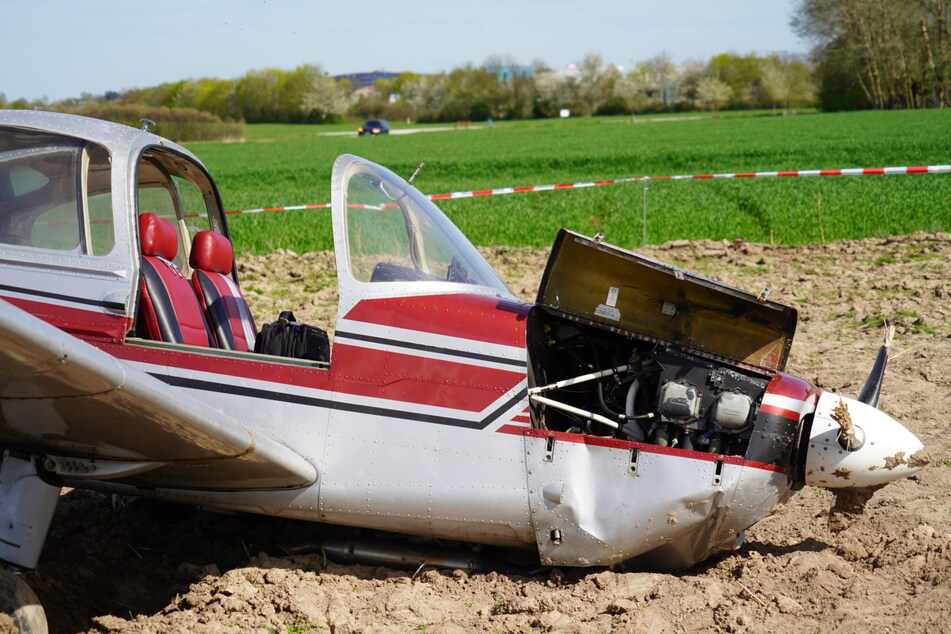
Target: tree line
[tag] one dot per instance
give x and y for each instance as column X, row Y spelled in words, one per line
column 867, row 54
column 878, row 53
column 592, row 87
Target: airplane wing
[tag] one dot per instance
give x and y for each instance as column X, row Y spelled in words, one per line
column 65, row 398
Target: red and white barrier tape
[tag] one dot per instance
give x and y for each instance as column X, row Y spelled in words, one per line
column 857, row 171
column 296, row 207
column 264, row 209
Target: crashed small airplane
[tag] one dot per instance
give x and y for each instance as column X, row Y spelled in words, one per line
column 635, row 411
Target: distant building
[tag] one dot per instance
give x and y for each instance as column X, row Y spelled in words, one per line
column 363, row 80
column 571, row 71
column 508, row 73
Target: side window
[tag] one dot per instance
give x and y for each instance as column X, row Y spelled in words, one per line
column 98, row 186
column 193, row 206
column 59, row 227
column 55, row 193
column 156, row 195
column 173, row 188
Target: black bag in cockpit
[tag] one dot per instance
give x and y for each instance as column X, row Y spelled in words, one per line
column 286, row 337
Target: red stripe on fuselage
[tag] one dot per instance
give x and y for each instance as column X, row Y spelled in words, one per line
column 86, row 324
column 614, row 443
column 475, row 317
column 355, row 371
column 419, row 379
column 289, row 374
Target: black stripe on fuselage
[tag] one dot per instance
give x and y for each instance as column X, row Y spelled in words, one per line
column 224, row 388
column 65, row 298
column 425, row 348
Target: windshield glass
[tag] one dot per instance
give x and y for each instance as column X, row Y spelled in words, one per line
column 396, row 234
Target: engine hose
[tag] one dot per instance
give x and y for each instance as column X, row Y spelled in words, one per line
column 631, row 397
column 604, row 404
column 633, row 431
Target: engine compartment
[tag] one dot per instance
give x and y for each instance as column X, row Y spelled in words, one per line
column 585, row 378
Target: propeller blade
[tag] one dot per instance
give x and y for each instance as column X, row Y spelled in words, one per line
column 873, row 385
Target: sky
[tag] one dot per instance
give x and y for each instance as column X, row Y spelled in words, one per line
column 56, row 49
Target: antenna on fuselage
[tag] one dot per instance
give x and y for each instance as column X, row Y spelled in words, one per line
column 418, row 170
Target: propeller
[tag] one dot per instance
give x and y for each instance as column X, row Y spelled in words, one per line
column 873, row 385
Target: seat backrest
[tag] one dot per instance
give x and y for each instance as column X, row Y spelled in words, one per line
column 169, row 308
column 212, row 259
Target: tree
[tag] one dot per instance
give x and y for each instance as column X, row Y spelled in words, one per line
column 517, row 98
column 325, row 100
column 472, row 93
column 879, row 53
column 786, row 82
column 936, row 44
column 514, row 98
column 595, row 82
column 740, row 73
column 652, row 85
column 426, row 96
column 216, row 96
column 554, row 91
column 256, row 97
column 665, row 75
column 630, row 90
column 713, row 93
column 691, row 73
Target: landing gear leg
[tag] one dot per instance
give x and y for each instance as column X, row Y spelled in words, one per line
column 26, row 510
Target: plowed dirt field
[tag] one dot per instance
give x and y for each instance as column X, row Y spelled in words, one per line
column 150, row 567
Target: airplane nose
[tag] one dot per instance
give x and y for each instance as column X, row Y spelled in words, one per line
column 856, row 445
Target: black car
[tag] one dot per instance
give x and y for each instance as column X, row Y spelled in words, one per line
column 374, row 126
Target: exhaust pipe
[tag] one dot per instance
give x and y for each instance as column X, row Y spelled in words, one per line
column 371, row 552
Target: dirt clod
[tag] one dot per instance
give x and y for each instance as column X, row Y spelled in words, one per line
column 847, row 506
column 895, row 461
column 920, row 458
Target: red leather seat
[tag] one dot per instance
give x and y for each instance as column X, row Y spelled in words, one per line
column 169, row 308
column 212, row 259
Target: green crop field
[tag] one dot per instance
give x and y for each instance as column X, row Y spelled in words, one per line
column 291, row 165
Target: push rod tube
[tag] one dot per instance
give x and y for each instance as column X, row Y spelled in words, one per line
column 578, row 379
column 574, row 410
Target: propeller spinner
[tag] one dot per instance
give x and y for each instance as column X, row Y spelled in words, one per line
column 853, row 444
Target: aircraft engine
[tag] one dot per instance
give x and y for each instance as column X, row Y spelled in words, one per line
column 632, row 349
column 643, row 392
column 628, row 352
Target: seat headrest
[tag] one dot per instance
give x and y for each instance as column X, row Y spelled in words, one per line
column 157, row 237
column 211, row 252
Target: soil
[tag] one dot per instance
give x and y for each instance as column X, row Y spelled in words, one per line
column 145, row 566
